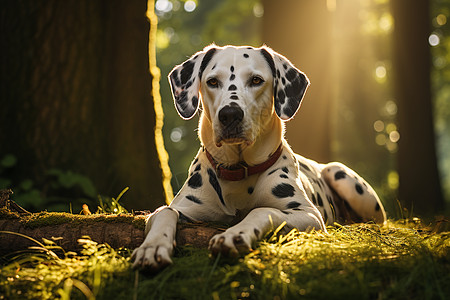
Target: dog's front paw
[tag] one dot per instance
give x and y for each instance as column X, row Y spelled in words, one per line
column 231, row 244
column 152, row 258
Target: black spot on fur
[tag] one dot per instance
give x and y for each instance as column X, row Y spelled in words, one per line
column 291, row 74
column 325, row 216
column 285, row 170
column 283, row 80
column 359, row 189
column 273, row 171
column 195, row 161
column 232, row 77
column 206, row 59
column 269, row 60
column 215, row 184
column 250, row 190
column 377, row 207
column 198, row 168
column 186, row 71
column 319, row 200
column 194, row 199
column 339, row 175
column 285, row 66
column 195, row 181
column 182, row 100
column 305, row 167
column 293, row 204
column 245, row 55
column 298, row 209
column 283, row 190
column 194, row 101
column 291, row 107
column 283, row 176
column 313, row 199
column 281, row 97
column 232, row 68
column 175, row 79
column 286, row 212
column 329, row 199
column 278, row 74
column 284, row 157
column 232, row 87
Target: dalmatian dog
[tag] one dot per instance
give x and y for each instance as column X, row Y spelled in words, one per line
column 245, row 174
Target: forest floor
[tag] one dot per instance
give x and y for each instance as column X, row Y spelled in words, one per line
column 401, row 260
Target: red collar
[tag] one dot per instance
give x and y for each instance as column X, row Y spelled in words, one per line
column 241, row 170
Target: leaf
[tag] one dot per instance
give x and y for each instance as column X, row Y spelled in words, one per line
column 26, row 185
column 8, row 161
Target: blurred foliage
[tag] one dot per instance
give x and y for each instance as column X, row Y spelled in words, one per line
column 440, row 75
column 181, row 34
column 62, row 191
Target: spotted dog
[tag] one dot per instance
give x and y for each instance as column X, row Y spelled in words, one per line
column 245, row 174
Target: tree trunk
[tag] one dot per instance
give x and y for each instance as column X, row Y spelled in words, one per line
column 301, row 30
column 76, row 95
column 419, row 188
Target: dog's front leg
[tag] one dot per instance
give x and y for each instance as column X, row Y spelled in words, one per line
column 240, row 238
column 154, row 253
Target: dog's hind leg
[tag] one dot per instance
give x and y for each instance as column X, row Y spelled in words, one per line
column 154, row 253
column 357, row 195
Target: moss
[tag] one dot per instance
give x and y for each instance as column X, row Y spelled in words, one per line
column 56, row 218
column 6, row 214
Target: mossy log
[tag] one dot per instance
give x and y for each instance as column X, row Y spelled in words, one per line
column 122, row 230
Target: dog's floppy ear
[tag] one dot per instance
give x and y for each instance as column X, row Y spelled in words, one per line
column 185, row 80
column 289, row 84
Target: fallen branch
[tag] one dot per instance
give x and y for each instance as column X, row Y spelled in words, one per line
column 122, row 230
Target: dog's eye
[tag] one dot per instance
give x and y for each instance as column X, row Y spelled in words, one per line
column 213, row 82
column 256, row 81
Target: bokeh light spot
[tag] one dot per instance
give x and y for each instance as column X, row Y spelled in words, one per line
column 176, row 134
column 441, row 20
column 434, row 39
column 391, row 127
column 394, row 136
column 391, row 107
column 378, row 125
column 163, row 5
column 190, row 6
column 380, row 139
column 258, row 10
column 393, row 180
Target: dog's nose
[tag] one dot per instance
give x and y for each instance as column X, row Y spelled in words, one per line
column 231, row 116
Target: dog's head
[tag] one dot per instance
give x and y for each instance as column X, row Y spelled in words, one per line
column 240, row 89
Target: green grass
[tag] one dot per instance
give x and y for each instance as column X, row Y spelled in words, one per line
column 401, row 260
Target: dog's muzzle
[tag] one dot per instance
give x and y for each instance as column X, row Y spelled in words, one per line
column 230, row 118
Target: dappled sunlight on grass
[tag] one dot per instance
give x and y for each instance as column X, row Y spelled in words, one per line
column 402, row 259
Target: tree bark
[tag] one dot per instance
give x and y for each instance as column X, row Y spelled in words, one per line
column 76, row 95
column 419, row 183
column 301, row 31
column 65, row 229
